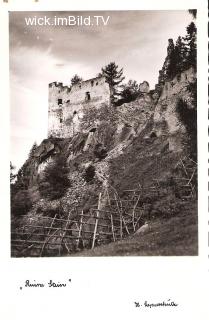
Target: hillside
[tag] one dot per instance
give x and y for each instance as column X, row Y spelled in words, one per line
column 134, row 158
column 173, row 236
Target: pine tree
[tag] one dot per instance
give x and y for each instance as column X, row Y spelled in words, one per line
column 76, row 79
column 191, row 42
column 113, row 77
column 32, row 150
column 12, row 175
column 168, row 69
column 180, row 55
column 193, row 12
column 23, row 178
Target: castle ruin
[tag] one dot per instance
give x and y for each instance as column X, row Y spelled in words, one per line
column 67, row 105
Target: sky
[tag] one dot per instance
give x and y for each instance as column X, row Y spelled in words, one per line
column 135, row 40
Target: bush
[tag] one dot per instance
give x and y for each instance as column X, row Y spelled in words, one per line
column 20, row 203
column 55, row 180
column 188, row 117
column 89, row 174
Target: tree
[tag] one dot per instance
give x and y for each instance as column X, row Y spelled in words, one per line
column 193, row 12
column 180, row 53
column 55, row 180
column 20, row 198
column 12, row 175
column 191, row 43
column 21, row 203
column 113, row 77
column 32, row 150
column 168, row 69
column 129, row 91
column 179, row 57
column 23, row 177
column 76, row 79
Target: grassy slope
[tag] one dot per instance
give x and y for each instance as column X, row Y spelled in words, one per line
column 166, row 237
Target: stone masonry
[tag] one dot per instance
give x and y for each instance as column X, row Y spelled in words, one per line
column 67, row 105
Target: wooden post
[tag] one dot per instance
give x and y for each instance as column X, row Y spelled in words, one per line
column 112, row 226
column 111, row 217
column 108, row 198
column 96, row 222
column 185, row 170
column 125, row 225
column 64, row 232
column 80, row 229
column 120, row 215
column 133, row 212
column 42, row 249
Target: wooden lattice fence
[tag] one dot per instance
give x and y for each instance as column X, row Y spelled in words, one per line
column 52, row 236
column 112, row 219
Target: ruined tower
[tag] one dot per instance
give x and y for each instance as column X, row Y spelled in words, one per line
column 67, row 105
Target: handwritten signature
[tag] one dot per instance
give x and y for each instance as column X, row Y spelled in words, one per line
column 146, row 304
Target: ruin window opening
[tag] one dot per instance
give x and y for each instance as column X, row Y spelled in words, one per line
column 87, row 97
column 60, row 120
column 59, row 101
column 92, row 83
column 96, row 83
column 75, row 112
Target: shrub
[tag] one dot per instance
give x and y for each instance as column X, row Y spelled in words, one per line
column 20, row 203
column 188, row 117
column 55, row 180
column 89, row 173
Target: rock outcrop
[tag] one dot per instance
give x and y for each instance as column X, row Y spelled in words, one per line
column 135, row 145
column 166, row 118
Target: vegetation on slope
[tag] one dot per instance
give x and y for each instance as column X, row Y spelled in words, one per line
column 74, row 175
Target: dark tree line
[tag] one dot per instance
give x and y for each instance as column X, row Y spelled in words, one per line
column 19, row 185
column 180, row 56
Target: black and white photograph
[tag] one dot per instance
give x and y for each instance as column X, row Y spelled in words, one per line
column 104, row 159
column 103, row 129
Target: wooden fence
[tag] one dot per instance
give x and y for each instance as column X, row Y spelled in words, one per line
column 112, row 219
column 51, row 236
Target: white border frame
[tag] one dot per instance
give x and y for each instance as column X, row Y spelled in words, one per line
column 106, row 287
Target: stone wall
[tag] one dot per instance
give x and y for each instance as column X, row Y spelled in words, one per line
column 96, row 90
column 67, row 106
column 144, row 87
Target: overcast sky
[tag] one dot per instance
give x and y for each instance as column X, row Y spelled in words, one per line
column 135, row 40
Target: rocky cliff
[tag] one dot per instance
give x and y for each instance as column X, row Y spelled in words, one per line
column 137, row 143
column 166, row 117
